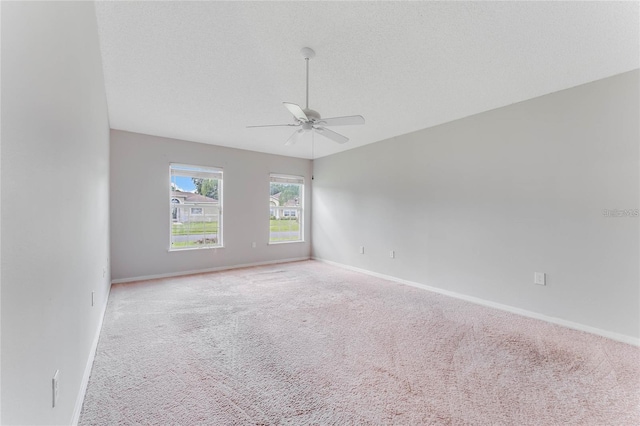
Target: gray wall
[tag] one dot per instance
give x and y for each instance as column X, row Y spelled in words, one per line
column 476, row 206
column 140, row 206
column 55, row 195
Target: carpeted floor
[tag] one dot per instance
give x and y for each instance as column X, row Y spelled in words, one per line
column 309, row 343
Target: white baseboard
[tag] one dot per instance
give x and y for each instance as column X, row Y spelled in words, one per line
column 87, row 370
column 202, row 271
column 559, row 321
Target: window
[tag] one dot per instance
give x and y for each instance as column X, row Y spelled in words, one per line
column 195, row 207
column 285, row 208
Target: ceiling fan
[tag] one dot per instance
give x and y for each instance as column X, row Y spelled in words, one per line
column 309, row 120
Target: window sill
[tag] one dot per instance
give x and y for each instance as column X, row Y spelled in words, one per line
column 275, row 243
column 194, row 248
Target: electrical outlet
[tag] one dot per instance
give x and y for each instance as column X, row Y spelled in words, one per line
column 104, row 272
column 54, row 388
column 93, row 297
column 361, row 249
column 540, row 278
column 253, row 244
column 392, row 254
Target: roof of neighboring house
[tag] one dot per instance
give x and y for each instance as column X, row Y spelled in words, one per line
column 290, row 203
column 190, row 197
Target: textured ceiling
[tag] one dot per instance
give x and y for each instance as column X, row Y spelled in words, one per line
column 203, row 71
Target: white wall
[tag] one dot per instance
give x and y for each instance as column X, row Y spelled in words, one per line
column 476, row 206
column 55, row 195
column 140, row 206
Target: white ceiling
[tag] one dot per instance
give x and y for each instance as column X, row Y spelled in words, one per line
column 202, row 71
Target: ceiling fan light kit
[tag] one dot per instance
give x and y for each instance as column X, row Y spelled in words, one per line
column 311, row 121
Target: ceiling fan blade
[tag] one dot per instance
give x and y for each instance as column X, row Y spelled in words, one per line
column 297, row 112
column 342, row 121
column 336, row 137
column 274, row 125
column 294, row 137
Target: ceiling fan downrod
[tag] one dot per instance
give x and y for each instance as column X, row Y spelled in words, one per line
column 307, row 104
column 307, row 53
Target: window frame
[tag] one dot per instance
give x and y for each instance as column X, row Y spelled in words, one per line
column 295, row 212
column 202, row 172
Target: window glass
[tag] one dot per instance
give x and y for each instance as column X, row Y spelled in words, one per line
column 285, row 208
column 195, row 207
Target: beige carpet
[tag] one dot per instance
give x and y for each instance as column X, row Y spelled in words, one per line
column 308, row 343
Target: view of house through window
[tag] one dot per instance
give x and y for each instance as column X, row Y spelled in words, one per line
column 195, row 207
column 285, row 208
